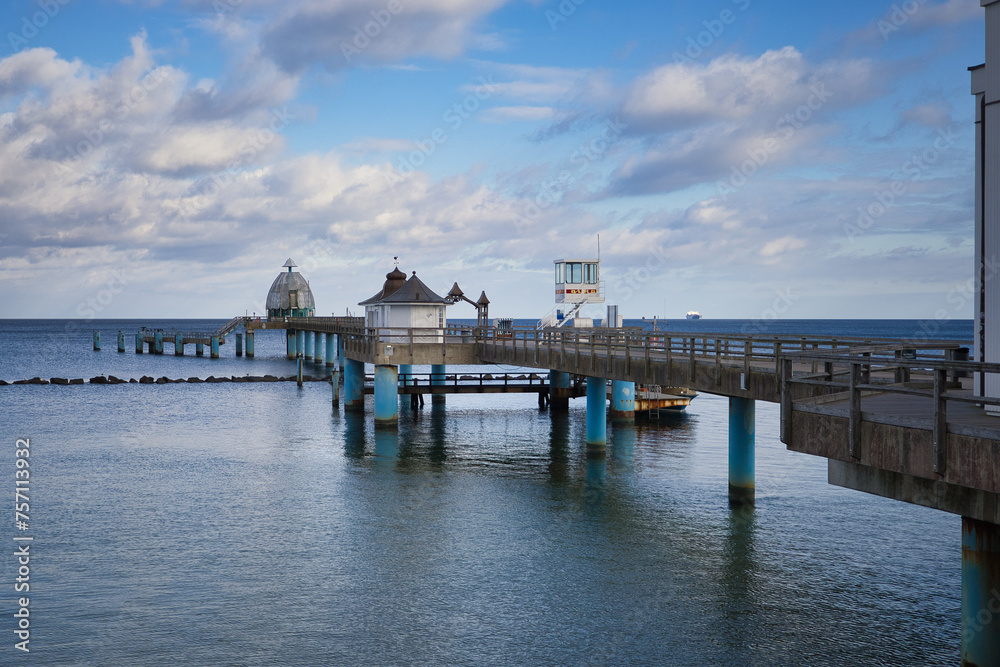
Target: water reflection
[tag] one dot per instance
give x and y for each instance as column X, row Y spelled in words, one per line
column 559, row 445
column 439, row 449
column 623, row 445
column 386, row 445
column 354, row 434
column 739, row 579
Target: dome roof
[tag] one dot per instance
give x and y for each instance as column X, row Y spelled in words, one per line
column 278, row 295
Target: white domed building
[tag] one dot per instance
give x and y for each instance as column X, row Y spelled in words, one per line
column 290, row 295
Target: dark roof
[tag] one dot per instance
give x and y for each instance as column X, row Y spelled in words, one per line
column 413, row 291
column 393, row 281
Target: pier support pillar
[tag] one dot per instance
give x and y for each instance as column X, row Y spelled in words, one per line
column 386, row 395
column 309, row 338
column 331, row 350
column 300, row 343
column 438, row 378
column 215, row 347
column 622, row 400
column 354, row 385
column 239, row 345
column 158, row 342
column 121, row 341
column 742, row 414
column 97, row 341
column 250, row 344
column 340, row 352
column 317, row 347
column 178, row 345
column 138, row 343
column 597, row 423
column 980, row 592
column 199, row 349
column 290, row 350
column 559, row 390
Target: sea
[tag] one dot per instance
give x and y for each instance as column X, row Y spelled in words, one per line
column 258, row 524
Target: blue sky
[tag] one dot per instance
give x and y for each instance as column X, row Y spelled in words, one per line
column 742, row 158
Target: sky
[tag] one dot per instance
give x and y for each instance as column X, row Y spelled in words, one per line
column 742, row 158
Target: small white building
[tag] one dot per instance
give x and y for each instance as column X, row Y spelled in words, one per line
column 404, row 304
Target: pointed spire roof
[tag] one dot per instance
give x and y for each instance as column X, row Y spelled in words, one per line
column 289, row 263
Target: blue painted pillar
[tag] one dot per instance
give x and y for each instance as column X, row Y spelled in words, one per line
column 354, row 385
column 386, row 395
column 980, row 592
column 438, row 374
column 215, row 347
column 158, row 342
column 290, row 348
column 331, row 350
column 239, row 345
column 340, row 352
column 199, row 349
column 597, row 423
column 138, row 343
column 250, row 344
column 317, row 347
column 741, row 451
column 300, row 343
column 405, row 373
column 97, row 341
column 178, row 345
column 121, row 341
column 308, row 338
column 559, row 390
column 622, row 400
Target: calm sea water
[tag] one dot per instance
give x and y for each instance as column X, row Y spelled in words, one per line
column 253, row 524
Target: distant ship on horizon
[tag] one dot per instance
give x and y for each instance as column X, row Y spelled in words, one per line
column 693, row 315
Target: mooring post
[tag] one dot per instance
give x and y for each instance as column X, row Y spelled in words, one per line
column 335, row 383
column 239, row 345
column 138, row 343
column 597, row 422
column 354, row 385
column 438, row 379
column 290, row 350
column 298, row 372
column 121, row 341
column 386, row 395
column 215, row 347
column 559, row 390
column 331, row 350
column 199, row 349
column 622, row 400
column 980, row 592
column 249, row 343
column 741, row 451
column 97, row 341
column 178, row 345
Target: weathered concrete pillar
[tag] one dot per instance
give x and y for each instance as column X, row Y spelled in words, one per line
column 215, row 347
column 335, row 385
column 309, row 338
column 300, row 342
column 597, row 422
column 239, row 345
column 980, row 592
column 121, row 341
column 438, row 374
column 97, row 341
column 331, row 350
column 386, row 395
column 354, row 385
column 290, row 347
column 250, row 344
column 742, row 415
column 178, row 345
column 158, row 342
column 622, row 400
column 559, row 390
column 138, row 343
column 199, row 349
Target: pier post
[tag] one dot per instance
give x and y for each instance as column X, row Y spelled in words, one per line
column 308, row 337
column 354, row 385
column 386, row 395
column 179, row 345
column 331, row 350
column 121, row 341
column 980, row 592
column 335, row 384
column 597, row 423
column 438, row 375
column 199, row 349
column 97, row 341
column 250, row 344
column 742, row 415
column 622, row 400
column 559, row 390
column 158, row 342
column 138, row 343
column 239, row 345
column 215, row 347
column 300, row 342
column 298, row 373
column 290, row 350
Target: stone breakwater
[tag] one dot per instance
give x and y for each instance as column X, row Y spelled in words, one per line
column 146, row 379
